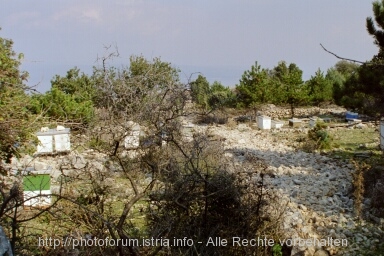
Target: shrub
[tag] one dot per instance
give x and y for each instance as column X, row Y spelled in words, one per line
column 213, row 119
column 60, row 106
column 320, row 136
column 203, row 196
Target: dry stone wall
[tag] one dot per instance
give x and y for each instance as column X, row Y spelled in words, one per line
column 276, row 112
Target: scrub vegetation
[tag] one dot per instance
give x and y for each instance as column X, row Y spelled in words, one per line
column 169, row 186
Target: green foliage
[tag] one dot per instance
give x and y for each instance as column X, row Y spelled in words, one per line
column 320, row 88
column 377, row 34
column 346, row 68
column 130, row 89
column 282, row 85
column 344, row 79
column 10, row 75
column 79, row 86
column 320, row 136
column 95, row 143
column 220, row 96
column 70, row 99
column 141, row 75
column 277, row 250
column 255, row 87
column 15, row 120
column 291, row 79
column 292, row 90
column 364, row 89
column 369, row 89
column 337, row 81
column 200, row 91
column 16, row 130
column 159, row 72
column 59, row 106
column 213, row 96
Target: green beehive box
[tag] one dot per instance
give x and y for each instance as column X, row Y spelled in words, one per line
column 37, row 190
column 37, row 182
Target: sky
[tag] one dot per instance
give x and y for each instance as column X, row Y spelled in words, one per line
column 219, row 39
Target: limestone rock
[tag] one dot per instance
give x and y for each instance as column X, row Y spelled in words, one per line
column 297, row 182
column 321, row 253
column 78, row 161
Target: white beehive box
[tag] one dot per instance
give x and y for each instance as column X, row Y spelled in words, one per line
column 264, row 122
column 45, row 143
column 132, row 140
column 187, row 131
column 277, row 124
column 53, row 140
column 62, row 142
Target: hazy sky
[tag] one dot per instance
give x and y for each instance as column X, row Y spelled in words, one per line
column 220, row 39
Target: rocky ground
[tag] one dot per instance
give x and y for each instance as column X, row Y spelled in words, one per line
column 318, row 188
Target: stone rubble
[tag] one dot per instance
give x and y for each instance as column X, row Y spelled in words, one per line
column 319, row 189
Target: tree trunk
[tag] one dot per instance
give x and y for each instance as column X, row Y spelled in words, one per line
column 292, row 110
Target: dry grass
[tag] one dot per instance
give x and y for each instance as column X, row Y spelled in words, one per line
column 352, row 139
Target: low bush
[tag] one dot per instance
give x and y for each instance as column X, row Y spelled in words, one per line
column 320, row 137
column 204, row 196
column 213, row 119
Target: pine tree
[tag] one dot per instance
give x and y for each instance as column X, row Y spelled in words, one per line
column 200, row 91
column 320, row 88
column 378, row 34
column 292, row 88
column 255, row 87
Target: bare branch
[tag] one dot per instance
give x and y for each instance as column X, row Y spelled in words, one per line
column 342, row 58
